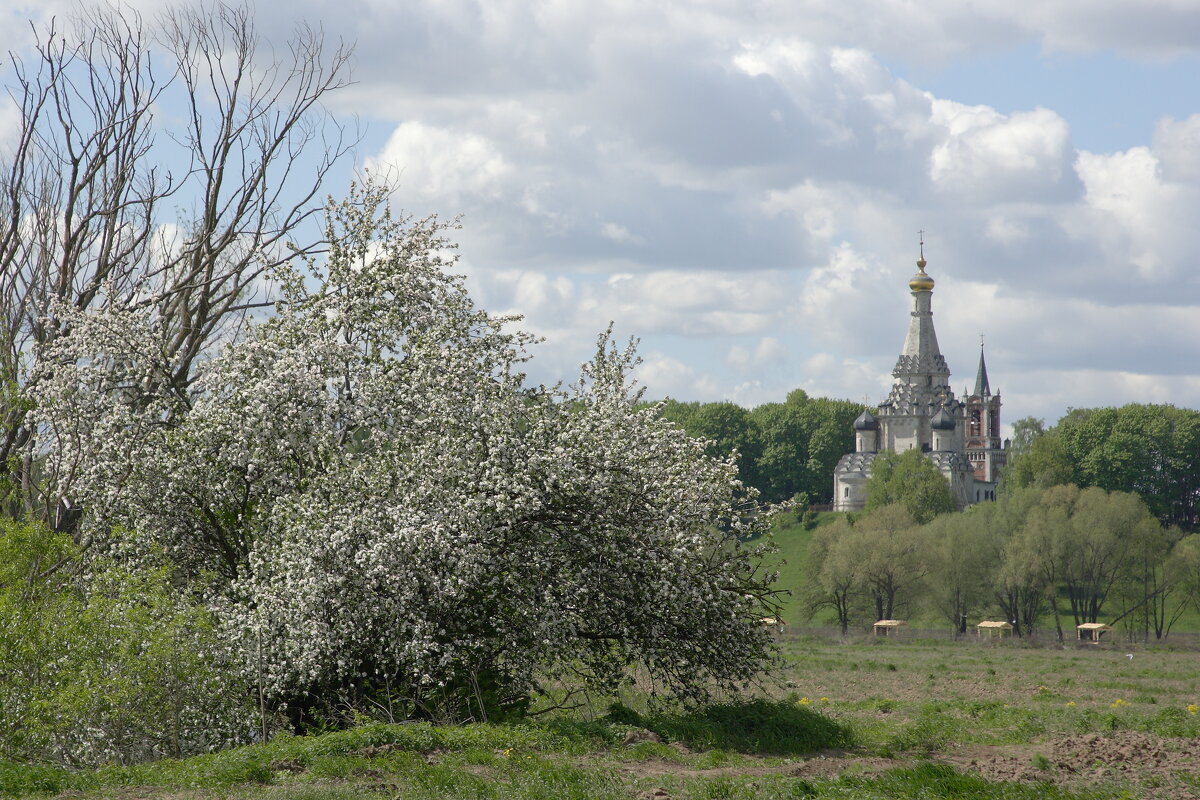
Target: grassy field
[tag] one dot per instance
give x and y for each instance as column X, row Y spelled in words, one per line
column 866, row 719
column 790, row 561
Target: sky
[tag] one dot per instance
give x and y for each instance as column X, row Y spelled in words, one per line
column 740, row 185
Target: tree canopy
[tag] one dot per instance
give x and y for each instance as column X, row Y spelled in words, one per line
column 162, row 166
column 1146, row 449
column 1082, row 554
column 784, row 449
column 909, row 480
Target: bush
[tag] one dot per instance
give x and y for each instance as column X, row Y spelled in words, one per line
column 109, row 666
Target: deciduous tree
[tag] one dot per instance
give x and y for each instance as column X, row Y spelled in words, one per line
column 960, row 556
column 886, row 548
column 379, row 507
column 910, row 480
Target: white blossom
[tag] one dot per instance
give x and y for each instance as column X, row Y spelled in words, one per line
column 366, row 486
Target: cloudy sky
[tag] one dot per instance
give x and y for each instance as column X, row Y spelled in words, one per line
column 740, row 184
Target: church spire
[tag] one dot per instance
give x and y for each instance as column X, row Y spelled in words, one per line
column 981, row 380
column 921, row 359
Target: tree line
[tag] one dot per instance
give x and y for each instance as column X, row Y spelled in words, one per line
column 1151, row 450
column 1065, row 553
column 784, row 450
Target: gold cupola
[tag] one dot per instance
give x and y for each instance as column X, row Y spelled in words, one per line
column 921, row 282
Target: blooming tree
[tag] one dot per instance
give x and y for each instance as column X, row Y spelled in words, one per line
column 379, row 507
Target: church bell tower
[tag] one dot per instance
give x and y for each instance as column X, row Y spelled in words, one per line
column 983, row 443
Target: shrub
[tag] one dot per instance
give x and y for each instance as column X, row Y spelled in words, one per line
column 113, row 665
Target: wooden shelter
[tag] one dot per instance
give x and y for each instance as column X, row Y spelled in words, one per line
column 888, row 627
column 1092, row 632
column 994, row 629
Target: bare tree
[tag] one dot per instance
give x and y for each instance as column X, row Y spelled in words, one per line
column 160, row 166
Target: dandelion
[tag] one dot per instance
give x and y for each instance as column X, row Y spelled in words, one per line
column 803, row 701
column 824, row 699
column 1070, row 704
column 1118, row 703
column 1193, row 708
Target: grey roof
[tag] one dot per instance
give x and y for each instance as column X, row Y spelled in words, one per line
column 859, row 463
column 948, row 461
column 866, row 422
column 942, row 421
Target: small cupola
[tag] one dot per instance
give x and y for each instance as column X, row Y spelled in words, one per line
column 866, row 433
column 942, row 421
column 942, row 426
column 866, row 422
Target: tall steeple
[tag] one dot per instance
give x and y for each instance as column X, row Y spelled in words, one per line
column 981, row 381
column 922, row 376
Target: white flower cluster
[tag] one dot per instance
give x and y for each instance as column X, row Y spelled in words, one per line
column 372, row 494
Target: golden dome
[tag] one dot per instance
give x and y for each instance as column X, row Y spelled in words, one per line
column 921, row 282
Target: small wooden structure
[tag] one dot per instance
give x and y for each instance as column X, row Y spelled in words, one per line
column 888, row 627
column 994, row 629
column 1092, row 632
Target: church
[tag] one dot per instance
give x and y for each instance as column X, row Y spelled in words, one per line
column 960, row 437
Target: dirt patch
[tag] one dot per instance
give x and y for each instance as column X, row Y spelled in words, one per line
column 1158, row 768
column 826, row 764
column 1162, row 768
column 835, row 763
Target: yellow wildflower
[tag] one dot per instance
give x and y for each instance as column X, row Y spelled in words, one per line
column 1070, row 704
column 804, row 701
column 1193, row 708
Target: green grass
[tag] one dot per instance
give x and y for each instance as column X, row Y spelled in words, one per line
column 870, row 706
column 525, row 775
column 757, row 726
column 790, row 561
column 331, row 755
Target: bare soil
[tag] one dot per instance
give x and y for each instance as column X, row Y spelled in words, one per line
column 1157, row 768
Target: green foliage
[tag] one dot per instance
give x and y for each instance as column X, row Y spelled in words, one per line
column 960, row 558
column 109, row 666
column 18, row 779
column 912, row 481
column 784, row 449
column 928, row 733
column 884, row 554
column 727, row 427
column 1042, row 463
column 1146, row 449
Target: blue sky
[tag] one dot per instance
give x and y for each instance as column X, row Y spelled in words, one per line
column 1111, row 102
column 740, row 184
